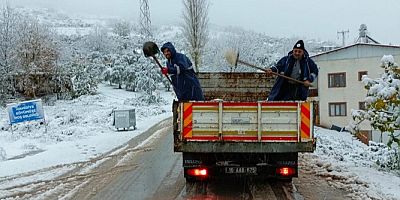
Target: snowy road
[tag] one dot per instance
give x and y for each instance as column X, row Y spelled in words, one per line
column 153, row 171
column 147, row 168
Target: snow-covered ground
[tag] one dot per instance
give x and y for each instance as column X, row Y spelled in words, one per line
column 81, row 130
column 347, row 163
column 78, row 130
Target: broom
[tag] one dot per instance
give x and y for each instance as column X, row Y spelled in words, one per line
column 232, row 57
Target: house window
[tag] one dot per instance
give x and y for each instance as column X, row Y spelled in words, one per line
column 361, row 106
column 361, row 74
column 337, row 80
column 337, row 109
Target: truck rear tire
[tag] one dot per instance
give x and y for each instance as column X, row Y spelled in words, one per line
column 286, row 180
column 190, row 180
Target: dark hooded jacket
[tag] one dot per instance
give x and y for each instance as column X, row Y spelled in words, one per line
column 282, row 89
column 186, row 85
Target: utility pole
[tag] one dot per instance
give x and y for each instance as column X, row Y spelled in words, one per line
column 145, row 22
column 343, row 34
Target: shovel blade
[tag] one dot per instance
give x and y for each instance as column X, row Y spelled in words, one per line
column 150, row 49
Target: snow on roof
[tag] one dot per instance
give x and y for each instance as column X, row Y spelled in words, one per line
column 349, row 46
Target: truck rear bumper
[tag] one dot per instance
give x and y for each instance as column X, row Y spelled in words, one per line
column 260, row 165
column 244, row 147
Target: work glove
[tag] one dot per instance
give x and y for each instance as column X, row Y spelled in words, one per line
column 164, row 70
column 269, row 72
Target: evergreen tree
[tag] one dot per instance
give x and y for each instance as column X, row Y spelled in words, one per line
column 83, row 80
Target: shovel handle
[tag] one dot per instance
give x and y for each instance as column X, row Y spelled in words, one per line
column 159, row 64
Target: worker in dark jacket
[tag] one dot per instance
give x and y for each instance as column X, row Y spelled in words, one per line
column 186, row 85
column 298, row 65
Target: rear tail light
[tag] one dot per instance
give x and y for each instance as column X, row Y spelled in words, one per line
column 199, row 172
column 286, row 171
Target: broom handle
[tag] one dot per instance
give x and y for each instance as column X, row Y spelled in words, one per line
column 274, row 73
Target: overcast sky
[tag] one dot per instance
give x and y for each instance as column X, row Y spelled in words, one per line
column 319, row 19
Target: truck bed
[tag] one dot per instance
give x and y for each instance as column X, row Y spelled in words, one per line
column 237, row 118
column 235, row 131
column 238, row 86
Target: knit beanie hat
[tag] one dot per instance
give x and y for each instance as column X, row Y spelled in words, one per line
column 299, row 45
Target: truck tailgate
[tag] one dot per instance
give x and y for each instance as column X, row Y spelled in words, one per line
column 245, row 126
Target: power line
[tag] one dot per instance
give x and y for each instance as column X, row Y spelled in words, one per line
column 343, row 34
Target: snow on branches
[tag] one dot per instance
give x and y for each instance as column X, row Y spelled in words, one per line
column 382, row 101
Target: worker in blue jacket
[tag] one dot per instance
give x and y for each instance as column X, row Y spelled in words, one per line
column 186, row 85
column 298, row 65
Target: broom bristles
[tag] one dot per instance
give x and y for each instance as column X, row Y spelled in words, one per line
column 231, row 56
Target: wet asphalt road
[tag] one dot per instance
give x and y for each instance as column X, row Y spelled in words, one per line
column 154, row 171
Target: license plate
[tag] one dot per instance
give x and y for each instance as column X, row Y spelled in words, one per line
column 241, row 170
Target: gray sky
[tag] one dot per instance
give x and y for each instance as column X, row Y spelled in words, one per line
column 282, row 18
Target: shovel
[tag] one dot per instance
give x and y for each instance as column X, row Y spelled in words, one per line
column 232, row 57
column 150, row 49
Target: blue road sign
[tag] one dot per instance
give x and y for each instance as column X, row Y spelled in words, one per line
column 25, row 111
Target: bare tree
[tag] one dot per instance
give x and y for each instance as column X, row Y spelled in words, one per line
column 195, row 28
column 37, row 54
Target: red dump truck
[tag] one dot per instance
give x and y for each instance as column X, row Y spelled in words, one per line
column 237, row 132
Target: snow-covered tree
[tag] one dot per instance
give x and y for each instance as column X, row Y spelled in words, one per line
column 382, row 101
column 107, row 75
column 8, row 39
column 117, row 75
column 122, row 28
column 166, row 83
column 62, row 83
column 98, row 40
column 97, row 64
column 130, row 79
column 83, row 79
column 148, row 77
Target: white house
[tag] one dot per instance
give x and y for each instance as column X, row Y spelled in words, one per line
column 339, row 81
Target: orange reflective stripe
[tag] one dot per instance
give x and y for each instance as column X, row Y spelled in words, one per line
column 187, row 120
column 305, row 121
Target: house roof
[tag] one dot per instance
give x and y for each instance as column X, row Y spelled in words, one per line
column 356, row 44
